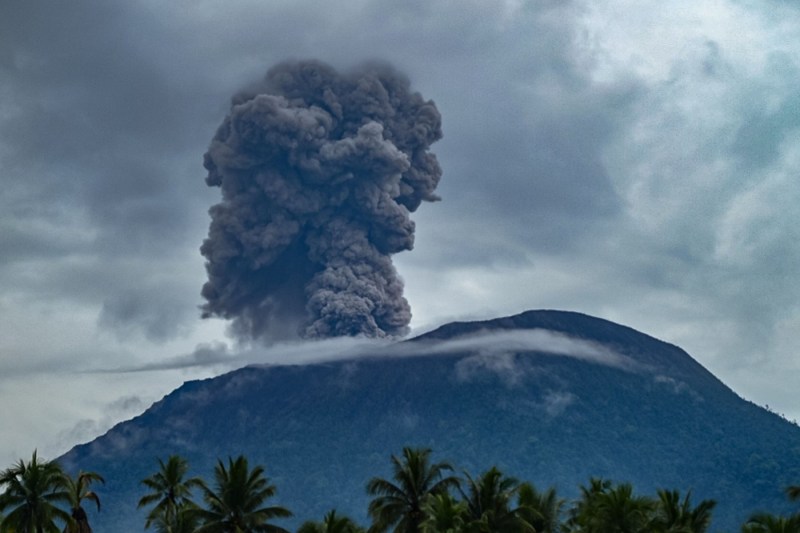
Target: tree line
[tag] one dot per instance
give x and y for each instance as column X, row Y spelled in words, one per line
column 420, row 496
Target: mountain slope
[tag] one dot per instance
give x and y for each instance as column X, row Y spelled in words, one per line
column 549, row 396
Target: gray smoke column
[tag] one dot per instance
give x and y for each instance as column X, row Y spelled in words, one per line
column 319, row 171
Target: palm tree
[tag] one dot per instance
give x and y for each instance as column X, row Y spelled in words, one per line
column 443, row 514
column 617, row 510
column 32, row 492
column 78, row 491
column 331, row 524
column 674, row 515
column 235, row 506
column 186, row 520
column 170, row 493
column 399, row 502
column 767, row 523
column 540, row 509
column 489, row 504
column 582, row 512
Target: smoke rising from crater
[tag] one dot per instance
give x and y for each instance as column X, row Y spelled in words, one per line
column 319, row 171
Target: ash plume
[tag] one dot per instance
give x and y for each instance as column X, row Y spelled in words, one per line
column 319, row 171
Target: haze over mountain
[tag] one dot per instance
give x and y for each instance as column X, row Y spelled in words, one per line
column 552, row 397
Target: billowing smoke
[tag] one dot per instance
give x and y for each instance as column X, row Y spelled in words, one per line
column 319, row 171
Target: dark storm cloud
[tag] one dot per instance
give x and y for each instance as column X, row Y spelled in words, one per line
column 529, row 133
column 205, row 355
column 156, row 310
column 99, row 141
column 100, row 118
column 319, row 172
column 556, row 189
column 106, row 121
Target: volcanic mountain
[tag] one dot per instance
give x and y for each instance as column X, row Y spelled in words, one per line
column 550, row 397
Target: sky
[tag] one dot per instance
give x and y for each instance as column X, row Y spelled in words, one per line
column 635, row 161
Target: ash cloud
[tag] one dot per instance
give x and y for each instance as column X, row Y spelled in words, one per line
column 319, row 172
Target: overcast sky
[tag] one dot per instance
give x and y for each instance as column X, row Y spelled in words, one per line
column 636, row 161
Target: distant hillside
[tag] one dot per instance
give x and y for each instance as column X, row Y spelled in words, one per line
column 548, row 396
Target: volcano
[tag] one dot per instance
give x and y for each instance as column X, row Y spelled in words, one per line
column 550, row 397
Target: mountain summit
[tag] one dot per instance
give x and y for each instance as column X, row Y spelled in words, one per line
column 551, row 397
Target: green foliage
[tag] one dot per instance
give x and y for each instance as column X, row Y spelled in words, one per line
column 767, row 523
column 235, row 504
column 32, row 493
column 399, row 502
column 606, row 508
column 186, row 520
column 674, row 515
column 490, row 507
column 78, row 490
column 582, row 511
column 170, row 496
column 443, row 514
column 619, row 510
column 541, row 509
column 331, row 523
column 420, row 497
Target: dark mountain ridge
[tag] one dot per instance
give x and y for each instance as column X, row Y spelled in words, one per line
column 571, row 397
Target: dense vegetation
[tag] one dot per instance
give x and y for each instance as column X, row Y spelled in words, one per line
column 420, row 496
